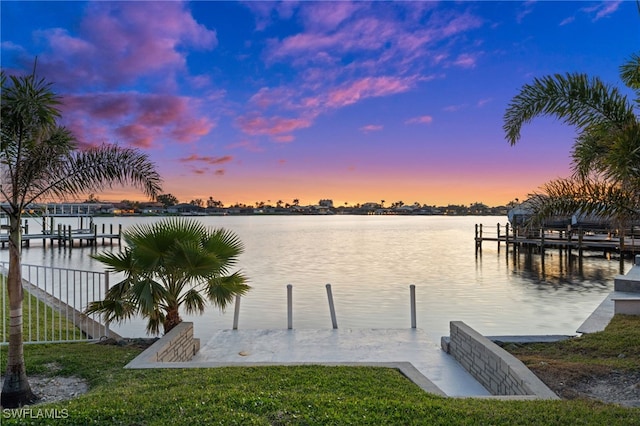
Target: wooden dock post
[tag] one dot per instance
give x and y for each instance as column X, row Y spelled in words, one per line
column 44, row 233
column 26, row 231
column 289, row 306
column 103, row 227
column 498, row 235
column 119, row 235
column 332, row 308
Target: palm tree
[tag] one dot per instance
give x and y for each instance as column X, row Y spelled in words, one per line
column 169, row 264
column 606, row 153
column 39, row 159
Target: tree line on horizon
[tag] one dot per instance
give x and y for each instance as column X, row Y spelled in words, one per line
column 169, row 200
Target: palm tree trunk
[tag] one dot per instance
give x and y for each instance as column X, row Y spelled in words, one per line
column 16, row 391
column 171, row 320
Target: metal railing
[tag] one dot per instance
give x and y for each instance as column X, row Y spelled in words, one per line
column 54, row 303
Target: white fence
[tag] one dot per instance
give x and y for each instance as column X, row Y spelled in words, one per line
column 54, row 303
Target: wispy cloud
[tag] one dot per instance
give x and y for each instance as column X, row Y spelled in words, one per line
column 423, row 119
column 603, row 9
column 454, row 108
column 256, row 124
column 367, row 87
column 346, row 53
column 371, row 128
column 206, row 159
column 526, row 9
column 567, row 21
column 483, row 102
column 465, row 60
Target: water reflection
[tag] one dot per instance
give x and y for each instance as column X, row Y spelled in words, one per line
column 561, row 267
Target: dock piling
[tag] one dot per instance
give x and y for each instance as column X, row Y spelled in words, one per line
column 412, row 293
column 236, row 313
column 332, row 308
column 289, row 306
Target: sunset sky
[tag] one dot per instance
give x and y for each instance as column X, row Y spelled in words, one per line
column 356, row 102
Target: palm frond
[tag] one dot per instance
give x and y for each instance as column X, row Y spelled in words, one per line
column 103, row 167
column 222, row 290
column 575, row 99
column 587, row 197
column 630, row 74
column 113, row 310
column 193, row 302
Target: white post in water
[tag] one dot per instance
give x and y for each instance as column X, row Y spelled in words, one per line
column 289, row 306
column 236, row 312
column 332, row 308
column 412, row 292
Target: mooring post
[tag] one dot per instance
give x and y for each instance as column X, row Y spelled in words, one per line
column 412, row 292
column 119, row 235
column 332, row 308
column 506, row 235
column 44, row 232
column 26, row 232
column 236, row 312
column 289, row 306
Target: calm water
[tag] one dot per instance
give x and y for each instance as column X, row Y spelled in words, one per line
column 370, row 262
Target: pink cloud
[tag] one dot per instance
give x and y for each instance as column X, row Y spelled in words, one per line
column 266, row 97
column 366, row 88
column 371, row 128
column 219, row 172
column 328, row 16
column 283, row 138
column 465, row 60
column 423, row 119
column 121, row 42
column 206, row 159
column 454, row 108
column 254, row 124
column 139, row 119
column 136, row 135
column 247, row 145
column 483, row 102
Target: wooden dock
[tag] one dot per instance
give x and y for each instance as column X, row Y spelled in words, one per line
column 65, row 236
column 579, row 239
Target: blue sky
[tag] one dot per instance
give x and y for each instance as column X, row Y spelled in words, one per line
column 354, row 101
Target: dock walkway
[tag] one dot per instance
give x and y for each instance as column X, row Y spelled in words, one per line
column 563, row 238
column 68, row 237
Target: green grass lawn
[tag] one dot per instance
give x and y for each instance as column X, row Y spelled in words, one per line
column 304, row 395
column 40, row 322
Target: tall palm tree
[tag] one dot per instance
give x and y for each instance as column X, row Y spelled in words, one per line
column 606, row 153
column 39, row 159
column 169, row 264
